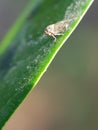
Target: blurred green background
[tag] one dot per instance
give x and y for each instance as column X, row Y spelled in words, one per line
column 66, row 96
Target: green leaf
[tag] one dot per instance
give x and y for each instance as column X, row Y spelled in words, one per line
column 26, row 51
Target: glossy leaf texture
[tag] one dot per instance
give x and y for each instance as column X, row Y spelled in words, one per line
column 26, row 51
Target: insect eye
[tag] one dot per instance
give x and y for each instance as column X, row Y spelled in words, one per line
column 48, row 28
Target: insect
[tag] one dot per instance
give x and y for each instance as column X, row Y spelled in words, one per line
column 57, row 28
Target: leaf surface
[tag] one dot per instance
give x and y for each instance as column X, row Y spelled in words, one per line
column 26, row 51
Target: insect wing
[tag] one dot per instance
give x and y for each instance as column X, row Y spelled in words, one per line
column 59, row 27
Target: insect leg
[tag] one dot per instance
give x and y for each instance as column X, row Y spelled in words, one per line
column 54, row 37
column 60, row 34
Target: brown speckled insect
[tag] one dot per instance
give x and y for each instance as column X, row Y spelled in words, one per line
column 57, row 28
